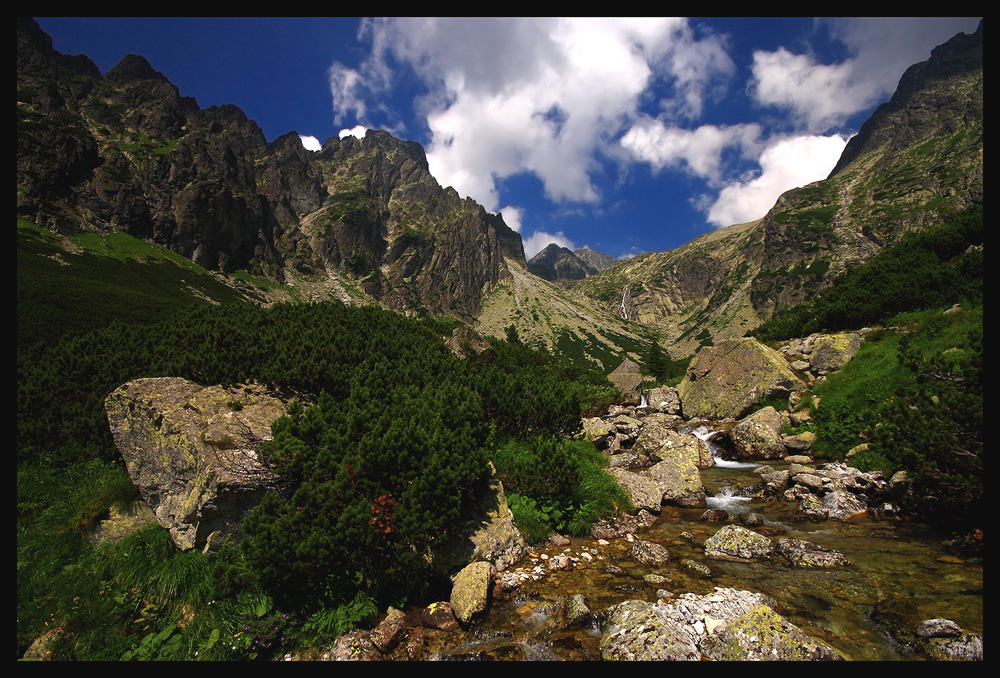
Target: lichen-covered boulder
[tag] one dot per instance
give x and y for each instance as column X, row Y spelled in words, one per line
column 354, row 646
column 643, row 491
column 811, row 508
column 487, row 531
column 700, row 569
column 805, row 554
column 390, row 631
column 761, row 634
column 470, row 591
column 728, row 379
column 439, row 616
column 627, row 426
column 759, row 435
column 679, row 480
column 833, row 351
column 649, row 553
column 627, row 377
column 727, row 624
column 639, row 631
column 777, row 481
column 845, row 506
column 600, row 432
column 192, row 451
column 658, row 441
column 938, row 628
column 575, row 612
column 799, row 443
column 965, row 647
column 739, row 544
column 663, row 399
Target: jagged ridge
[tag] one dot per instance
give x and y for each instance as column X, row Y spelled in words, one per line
column 126, row 152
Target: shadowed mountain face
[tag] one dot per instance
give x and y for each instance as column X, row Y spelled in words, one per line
column 126, row 152
column 918, row 159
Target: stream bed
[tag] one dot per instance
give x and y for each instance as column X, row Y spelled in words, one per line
column 901, row 575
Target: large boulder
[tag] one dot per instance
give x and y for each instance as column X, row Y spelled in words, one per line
column 845, row 506
column 470, row 592
column 598, row 431
column 643, row 492
column 759, row 435
column 659, row 441
column 649, row 553
column 390, row 631
column 488, row 531
column 193, row 452
column 663, row 399
column 728, row 379
column 727, row 624
column 833, row 351
column 679, row 480
column 805, row 554
column 739, row 544
column 627, row 377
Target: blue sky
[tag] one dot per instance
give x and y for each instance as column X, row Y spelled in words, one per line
column 624, row 135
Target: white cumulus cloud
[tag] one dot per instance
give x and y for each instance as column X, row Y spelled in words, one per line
column 358, row 131
column 822, row 96
column 698, row 151
column 540, row 96
column 785, row 164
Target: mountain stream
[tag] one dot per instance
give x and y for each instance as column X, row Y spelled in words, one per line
column 901, row 575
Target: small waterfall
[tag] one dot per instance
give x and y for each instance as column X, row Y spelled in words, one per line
column 704, row 433
column 729, row 501
column 623, row 307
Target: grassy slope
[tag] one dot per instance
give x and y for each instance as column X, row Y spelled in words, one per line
column 68, row 285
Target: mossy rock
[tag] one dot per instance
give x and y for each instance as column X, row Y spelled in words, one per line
column 727, row 380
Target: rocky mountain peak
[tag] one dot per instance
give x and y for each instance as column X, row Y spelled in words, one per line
column 134, row 67
column 925, row 91
column 556, row 263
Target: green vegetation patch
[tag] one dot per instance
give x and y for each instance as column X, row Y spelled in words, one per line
column 817, row 219
column 554, row 484
column 937, row 267
column 116, row 276
column 916, row 397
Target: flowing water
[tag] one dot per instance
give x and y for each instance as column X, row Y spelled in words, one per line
column 901, row 575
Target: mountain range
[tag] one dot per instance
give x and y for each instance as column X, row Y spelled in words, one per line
column 364, row 221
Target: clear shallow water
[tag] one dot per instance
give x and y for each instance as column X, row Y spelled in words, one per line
column 901, row 576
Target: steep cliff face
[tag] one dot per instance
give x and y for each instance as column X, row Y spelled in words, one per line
column 125, row 151
column 917, row 159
